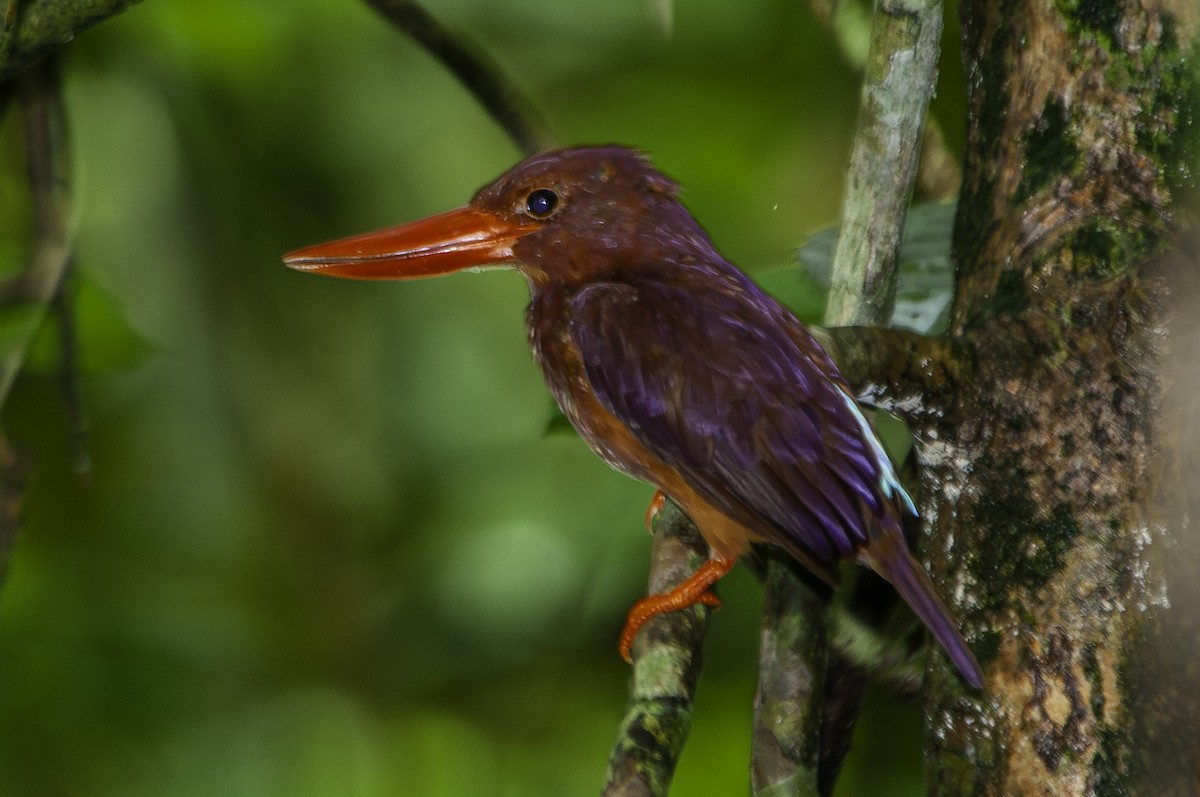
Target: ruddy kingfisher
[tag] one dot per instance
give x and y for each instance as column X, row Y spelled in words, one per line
column 675, row 368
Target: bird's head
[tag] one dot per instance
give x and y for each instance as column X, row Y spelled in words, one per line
column 561, row 215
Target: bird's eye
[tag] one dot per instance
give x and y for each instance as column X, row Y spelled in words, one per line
column 541, row 203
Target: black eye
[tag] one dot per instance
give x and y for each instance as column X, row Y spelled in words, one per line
column 541, row 203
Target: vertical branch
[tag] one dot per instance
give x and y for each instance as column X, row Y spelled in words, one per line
column 25, row 298
column 899, row 82
column 803, row 756
column 665, row 670
column 791, row 684
column 938, row 173
column 499, row 96
column 68, row 346
column 27, row 295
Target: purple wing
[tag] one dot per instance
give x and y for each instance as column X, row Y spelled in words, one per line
column 727, row 387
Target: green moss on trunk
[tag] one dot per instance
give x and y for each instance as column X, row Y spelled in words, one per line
column 1041, row 478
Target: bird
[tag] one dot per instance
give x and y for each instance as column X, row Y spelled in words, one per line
column 676, row 369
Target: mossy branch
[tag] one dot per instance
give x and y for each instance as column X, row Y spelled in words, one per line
column 31, row 29
column 850, row 22
column 666, row 667
column 910, row 375
column 791, row 684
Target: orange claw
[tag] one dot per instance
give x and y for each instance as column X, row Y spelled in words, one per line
column 693, row 590
column 656, row 505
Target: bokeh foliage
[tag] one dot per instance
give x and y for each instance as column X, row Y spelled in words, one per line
column 325, row 545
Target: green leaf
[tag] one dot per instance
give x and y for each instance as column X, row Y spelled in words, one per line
column 926, row 281
column 816, row 255
column 925, row 284
column 105, row 339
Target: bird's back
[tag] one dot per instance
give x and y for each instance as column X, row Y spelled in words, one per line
column 726, row 387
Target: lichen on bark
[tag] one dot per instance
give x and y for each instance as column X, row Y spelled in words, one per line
column 666, row 667
column 1042, row 473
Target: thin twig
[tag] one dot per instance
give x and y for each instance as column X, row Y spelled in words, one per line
column 506, row 103
column 39, row 94
column 667, row 659
column 939, row 177
column 39, row 97
column 69, row 371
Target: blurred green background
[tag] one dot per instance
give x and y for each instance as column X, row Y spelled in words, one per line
column 325, row 546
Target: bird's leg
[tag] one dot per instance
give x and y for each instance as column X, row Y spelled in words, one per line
column 656, row 505
column 693, row 590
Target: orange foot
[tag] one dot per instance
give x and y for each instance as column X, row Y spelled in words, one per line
column 656, row 505
column 694, row 590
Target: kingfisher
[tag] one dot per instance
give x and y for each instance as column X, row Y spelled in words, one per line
column 676, row 369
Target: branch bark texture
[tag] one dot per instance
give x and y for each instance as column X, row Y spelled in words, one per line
column 39, row 27
column 1041, row 475
column 666, row 667
column 900, row 76
column 791, row 684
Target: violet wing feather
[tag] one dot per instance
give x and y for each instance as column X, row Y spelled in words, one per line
column 716, row 385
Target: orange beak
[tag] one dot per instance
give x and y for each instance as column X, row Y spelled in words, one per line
column 440, row 244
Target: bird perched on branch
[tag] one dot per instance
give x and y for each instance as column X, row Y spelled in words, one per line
column 675, row 368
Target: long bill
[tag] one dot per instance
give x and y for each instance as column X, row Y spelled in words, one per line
column 440, row 244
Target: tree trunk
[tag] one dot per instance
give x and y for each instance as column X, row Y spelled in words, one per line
column 1041, row 473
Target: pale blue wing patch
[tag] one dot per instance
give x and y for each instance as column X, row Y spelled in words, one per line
column 888, row 481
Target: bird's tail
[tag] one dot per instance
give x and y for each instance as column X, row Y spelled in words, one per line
column 909, row 578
